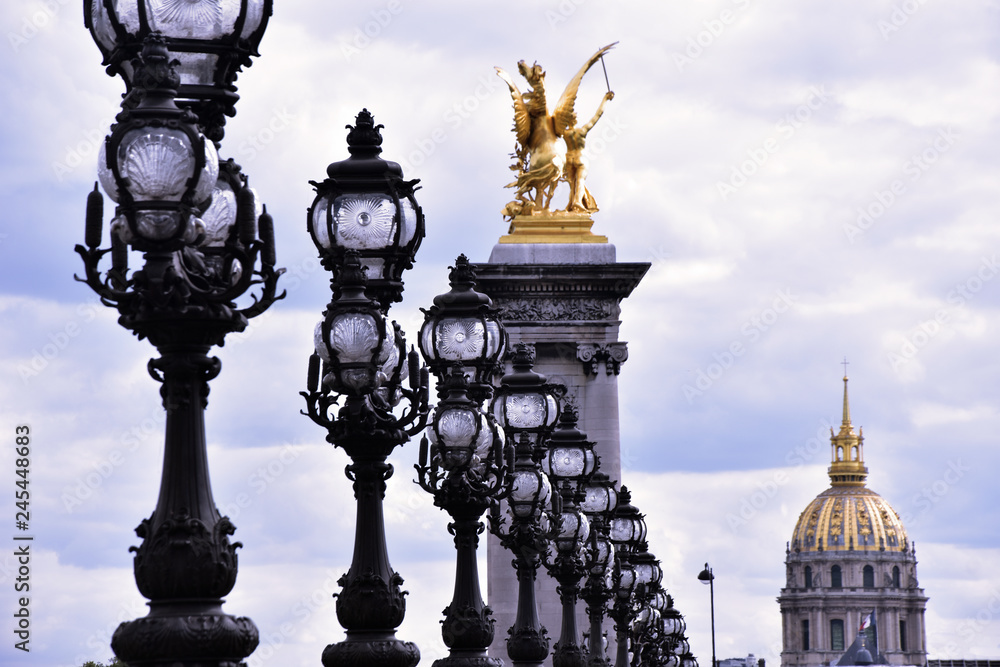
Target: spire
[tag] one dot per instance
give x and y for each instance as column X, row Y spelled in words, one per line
column 847, row 462
column 847, row 407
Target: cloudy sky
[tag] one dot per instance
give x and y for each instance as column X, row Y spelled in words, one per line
column 810, row 181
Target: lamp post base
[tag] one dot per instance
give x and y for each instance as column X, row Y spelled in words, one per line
column 371, row 649
column 472, row 660
column 187, row 634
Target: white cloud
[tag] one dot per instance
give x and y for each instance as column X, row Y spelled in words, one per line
column 717, row 265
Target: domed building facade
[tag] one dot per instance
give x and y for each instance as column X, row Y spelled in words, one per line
column 850, row 556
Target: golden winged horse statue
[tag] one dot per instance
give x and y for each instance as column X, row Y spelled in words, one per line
column 539, row 162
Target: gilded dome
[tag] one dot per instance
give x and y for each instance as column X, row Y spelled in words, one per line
column 848, row 516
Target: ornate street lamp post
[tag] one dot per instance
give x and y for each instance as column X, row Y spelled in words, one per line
column 361, row 359
column 162, row 172
column 525, row 405
column 600, row 501
column 628, row 533
column 570, row 462
column 707, row 577
column 673, row 643
column 644, row 625
column 465, row 466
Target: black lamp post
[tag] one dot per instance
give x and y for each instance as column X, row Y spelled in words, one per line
column 707, row 577
column 648, row 574
column 525, row 405
column 361, row 359
column 600, row 501
column 211, row 42
column 162, row 173
column 465, row 465
column 674, row 643
column 570, row 463
column 628, row 533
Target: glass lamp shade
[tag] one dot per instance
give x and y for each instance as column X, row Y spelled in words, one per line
column 528, row 411
column 628, row 528
column 570, row 462
column 462, row 437
column 220, row 216
column 599, row 553
column 574, row 529
column 682, row 647
column 358, row 350
column 462, row 328
column 659, row 600
column 600, row 495
column 647, row 569
column 364, row 205
column 156, row 164
column 524, row 403
column 529, row 493
column 688, row 660
column 625, row 581
column 154, row 173
column 671, row 660
column 673, row 622
column 211, row 39
column 647, row 616
column 570, row 456
column 380, row 227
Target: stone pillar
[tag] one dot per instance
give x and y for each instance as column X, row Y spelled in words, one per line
column 564, row 298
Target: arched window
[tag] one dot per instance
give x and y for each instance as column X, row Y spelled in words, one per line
column 835, row 581
column 840, row 453
column 854, row 453
column 895, row 576
column 868, row 576
column 805, row 634
column 836, row 634
column 809, row 576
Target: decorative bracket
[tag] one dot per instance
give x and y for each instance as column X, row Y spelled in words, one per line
column 613, row 355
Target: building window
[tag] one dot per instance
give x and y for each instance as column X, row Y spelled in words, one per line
column 835, row 581
column 809, row 577
column 868, row 576
column 805, row 634
column 902, row 635
column 895, row 577
column 836, row 635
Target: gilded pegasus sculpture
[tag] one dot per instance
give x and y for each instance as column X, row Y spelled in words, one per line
column 540, row 161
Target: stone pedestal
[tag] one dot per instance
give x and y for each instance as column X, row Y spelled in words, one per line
column 564, row 298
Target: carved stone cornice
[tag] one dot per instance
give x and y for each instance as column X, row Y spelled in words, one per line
column 549, row 309
column 542, row 293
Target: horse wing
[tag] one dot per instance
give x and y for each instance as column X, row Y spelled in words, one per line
column 522, row 122
column 564, row 114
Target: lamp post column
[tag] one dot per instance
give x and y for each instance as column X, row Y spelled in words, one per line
column 525, row 406
column 182, row 300
column 464, row 463
column 706, row 576
column 363, row 388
